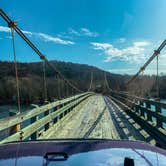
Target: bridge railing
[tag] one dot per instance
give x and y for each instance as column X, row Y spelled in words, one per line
column 147, row 113
column 51, row 112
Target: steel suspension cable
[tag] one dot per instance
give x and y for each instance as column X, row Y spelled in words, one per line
column 61, row 88
column 91, row 81
column 157, row 78
column 16, row 72
column 67, row 90
column 23, row 36
column 44, row 81
column 106, row 82
column 59, row 94
column 156, row 53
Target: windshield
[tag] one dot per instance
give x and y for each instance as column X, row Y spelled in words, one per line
column 83, row 69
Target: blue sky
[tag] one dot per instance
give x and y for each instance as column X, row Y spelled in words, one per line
column 115, row 35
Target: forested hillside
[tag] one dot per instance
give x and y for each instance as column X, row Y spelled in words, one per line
column 31, row 81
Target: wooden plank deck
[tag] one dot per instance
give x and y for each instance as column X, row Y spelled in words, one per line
column 114, row 123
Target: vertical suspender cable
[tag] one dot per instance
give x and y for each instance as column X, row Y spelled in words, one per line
column 59, row 94
column 156, row 53
column 67, row 90
column 63, row 88
column 106, row 82
column 157, row 79
column 22, row 35
column 74, row 96
column 16, row 71
column 140, row 84
column 91, row 81
column 44, row 80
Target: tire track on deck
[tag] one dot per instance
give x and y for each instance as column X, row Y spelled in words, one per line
column 87, row 134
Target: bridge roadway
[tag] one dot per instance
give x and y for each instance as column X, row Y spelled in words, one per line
column 97, row 117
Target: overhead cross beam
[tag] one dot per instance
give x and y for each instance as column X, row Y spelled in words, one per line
column 156, row 53
column 13, row 25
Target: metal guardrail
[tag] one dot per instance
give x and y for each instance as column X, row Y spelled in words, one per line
column 147, row 113
column 60, row 109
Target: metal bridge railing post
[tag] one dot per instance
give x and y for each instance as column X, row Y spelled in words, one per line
column 136, row 108
column 141, row 109
column 158, row 110
column 148, row 106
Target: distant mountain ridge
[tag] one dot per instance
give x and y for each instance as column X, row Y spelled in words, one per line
column 31, row 80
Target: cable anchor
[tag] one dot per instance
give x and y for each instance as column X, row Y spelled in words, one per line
column 12, row 24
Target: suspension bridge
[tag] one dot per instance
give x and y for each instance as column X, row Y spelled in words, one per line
column 115, row 115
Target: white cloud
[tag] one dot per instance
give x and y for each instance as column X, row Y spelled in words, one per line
column 43, row 36
column 133, row 53
column 7, row 29
column 48, row 38
column 8, row 37
column 101, row 46
column 64, row 36
column 150, row 70
column 123, row 71
column 141, row 44
column 121, row 40
column 74, row 32
column 162, row 60
column 87, row 32
column 83, row 32
column 27, row 32
column 4, row 29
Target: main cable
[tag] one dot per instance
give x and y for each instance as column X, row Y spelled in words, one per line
column 156, row 53
column 16, row 71
column 23, row 36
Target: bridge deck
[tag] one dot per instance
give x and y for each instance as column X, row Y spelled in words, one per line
column 98, row 117
column 89, row 119
column 126, row 127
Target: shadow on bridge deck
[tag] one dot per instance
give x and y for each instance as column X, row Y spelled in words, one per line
column 126, row 127
column 98, row 117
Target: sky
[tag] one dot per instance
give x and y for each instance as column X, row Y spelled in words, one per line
column 114, row 35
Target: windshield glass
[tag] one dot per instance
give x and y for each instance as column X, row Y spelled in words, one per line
column 83, row 69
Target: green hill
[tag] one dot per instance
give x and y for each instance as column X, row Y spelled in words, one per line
column 31, row 80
